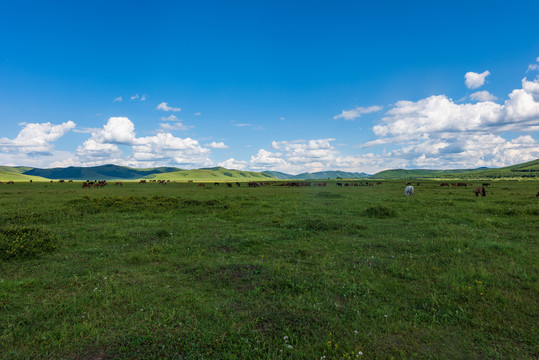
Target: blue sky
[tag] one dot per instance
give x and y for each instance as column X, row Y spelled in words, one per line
column 291, row 86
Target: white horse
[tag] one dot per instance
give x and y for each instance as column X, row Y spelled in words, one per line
column 409, row 190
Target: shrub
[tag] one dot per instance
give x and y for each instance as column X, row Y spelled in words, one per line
column 21, row 242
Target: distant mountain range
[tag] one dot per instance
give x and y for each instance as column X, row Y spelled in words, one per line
column 115, row 172
column 321, row 175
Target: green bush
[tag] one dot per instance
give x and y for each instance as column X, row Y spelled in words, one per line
column 20, row 242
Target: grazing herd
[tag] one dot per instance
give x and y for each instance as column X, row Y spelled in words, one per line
column 409, row 189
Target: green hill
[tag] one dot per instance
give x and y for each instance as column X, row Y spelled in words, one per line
column 528, row 170
column 212, row 174
column 103, row 172
column 8, row 173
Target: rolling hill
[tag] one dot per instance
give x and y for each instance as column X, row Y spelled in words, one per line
column 528, row 170
column 321, row 175
column 103, row 172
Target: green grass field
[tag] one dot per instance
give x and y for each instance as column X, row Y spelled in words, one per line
column 187, row 272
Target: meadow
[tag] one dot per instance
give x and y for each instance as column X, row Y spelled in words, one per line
column 177, row 271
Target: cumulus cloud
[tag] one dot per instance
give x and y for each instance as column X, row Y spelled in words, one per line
column 118, row 99
column 118, row 130
column 165, row 107
column 217, row 145
column 166, row 148
column 475, row 80
column 439, row 133
column 357, row 112
column 234, row 164
column 36, row 138
column 482, row 96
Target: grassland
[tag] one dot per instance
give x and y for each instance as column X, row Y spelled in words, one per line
column 186, row 272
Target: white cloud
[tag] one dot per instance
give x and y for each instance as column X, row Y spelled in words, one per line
column 167, row 149
column 93, row 148
column 357, row 112
column 134, row 97
column 118, row 99
column 217, row 145
column 234, row 164
column 171, row 117
column 482, row 96
column 533, row 67
column 197, row 114
column 475, row 80
column 175, row 126
column 118, row 130
column 36, row 138
column 240, row 125
column 164, row 106
column 143, row 97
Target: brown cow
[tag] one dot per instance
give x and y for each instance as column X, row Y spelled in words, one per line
column 444, row 184
column 118, row 184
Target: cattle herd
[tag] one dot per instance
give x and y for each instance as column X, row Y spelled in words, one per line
column 409, row 189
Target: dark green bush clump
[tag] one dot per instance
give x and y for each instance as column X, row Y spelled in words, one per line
column 380, row 211
column 20, row 242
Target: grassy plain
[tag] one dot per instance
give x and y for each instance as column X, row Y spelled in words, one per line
column 185, row 272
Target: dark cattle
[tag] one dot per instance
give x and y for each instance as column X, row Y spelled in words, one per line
column 379, row 183
column 61, row 181
column 201, row 185
column 371, row 184
column 417, row 184
column 86, row 185
column 30, row 180
column 70, row 181
column 229, row 184
column 480, row 190
column 462, row 184
column 321, row 184
column 339, row 184
column 444, row 184
column 142, row 182
column 11, row 182
column 485, row 184
column 238, row 184
column 216, row 184
column 407, row 184
column 537, row 195
column 162, row 182
column 118, row 184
